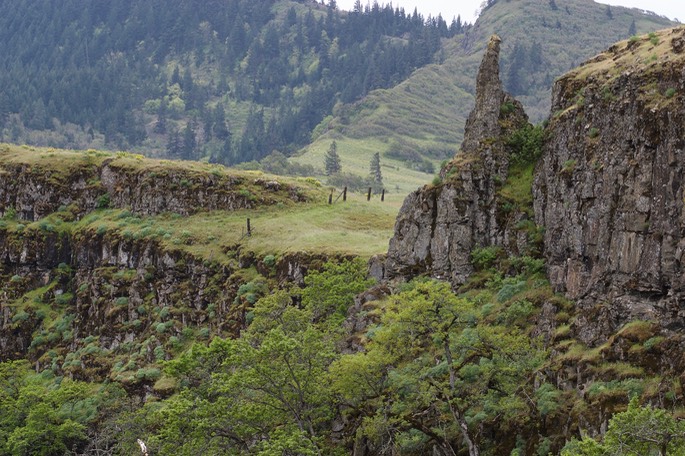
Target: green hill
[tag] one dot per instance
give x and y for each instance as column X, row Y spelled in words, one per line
column 228, row 80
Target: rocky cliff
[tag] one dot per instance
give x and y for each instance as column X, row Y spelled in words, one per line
column 439, row 225
column 609, row 188
column 36, row 183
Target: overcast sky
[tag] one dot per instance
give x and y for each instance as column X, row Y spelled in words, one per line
column 467, row 8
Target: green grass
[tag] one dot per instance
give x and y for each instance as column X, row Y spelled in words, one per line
column 355, row 156
column 356, row 227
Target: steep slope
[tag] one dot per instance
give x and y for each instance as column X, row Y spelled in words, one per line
column 609, row 189
column 423, row 117
column 603, row 206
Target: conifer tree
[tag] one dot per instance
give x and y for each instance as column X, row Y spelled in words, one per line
column 332, row 160
column 632, row 30
column 375, row 168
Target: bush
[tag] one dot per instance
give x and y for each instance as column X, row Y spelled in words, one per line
column 526, row 144
column 103, row 201
column 270, row 261
column 10, row 214
column 484, row 257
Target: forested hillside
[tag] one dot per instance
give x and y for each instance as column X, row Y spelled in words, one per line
column 231, row 79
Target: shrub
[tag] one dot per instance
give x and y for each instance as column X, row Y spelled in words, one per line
column 507, row 108
column 568, row 166
column 121, row 301
column 670, row 92
column 10, row 214
column 103, row 201
column 593, row 133
column 484, row 257
column 526, row 144
column 270, row 261
column 653, row 38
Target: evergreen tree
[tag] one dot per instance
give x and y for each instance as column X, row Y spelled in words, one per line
column 609, row 13
column 173, row 145
column 189, row 142
column 160, row 126
column 375, row 168
column 632, row 30
column 332, row 160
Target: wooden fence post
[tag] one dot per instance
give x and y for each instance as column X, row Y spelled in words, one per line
column 249, row 230
column 368, row 196
column 345, row 194
column 383, row 195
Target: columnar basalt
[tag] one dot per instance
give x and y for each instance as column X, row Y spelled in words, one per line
column 609, row 189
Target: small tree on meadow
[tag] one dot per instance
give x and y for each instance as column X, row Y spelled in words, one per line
column 375, row 168
column 332, row 160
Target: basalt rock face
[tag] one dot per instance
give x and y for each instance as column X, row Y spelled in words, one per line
column 609, row 188
column 34, row 191
column 119, row 290
column 439, row 225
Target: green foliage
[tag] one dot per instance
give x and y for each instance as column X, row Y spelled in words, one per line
column 329, row 292
column 450, row 363
column 270, row 260
column 43, row 415
column 10, row 213
column 485, row 257
column 332, row 160
column 638, row 431
column 103, row 201
column 273, row 380
column 670, row 92
column 653, row 38
column 568, row 166
column 526, row 144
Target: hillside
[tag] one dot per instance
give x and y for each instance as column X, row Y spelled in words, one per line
column 423, row 116
column 229, row 81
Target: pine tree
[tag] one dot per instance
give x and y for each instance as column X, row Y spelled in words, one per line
column 375, row 168
column 609, row 13
column 173, row 146
column 189, row 143
column 632, row 30
column 332, row 160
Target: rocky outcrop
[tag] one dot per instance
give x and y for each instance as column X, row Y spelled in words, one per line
column 34, row 191
column 609, row 188
column 439, row 225
column 121, row 291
